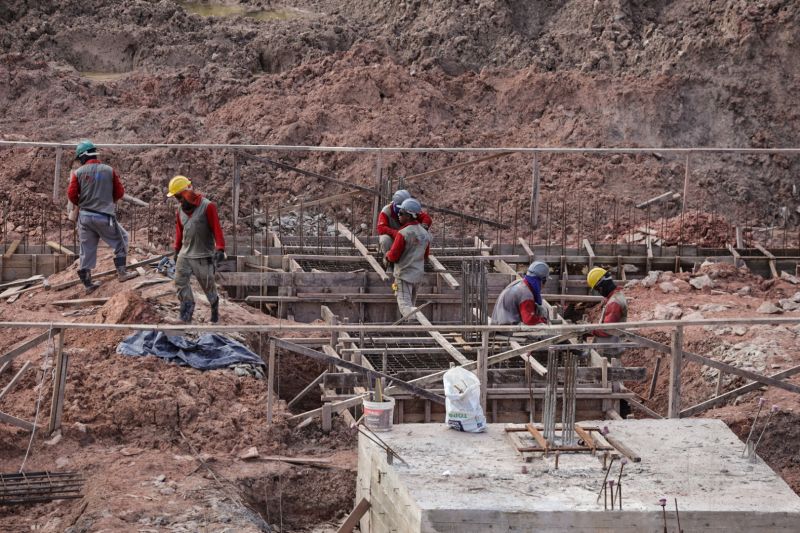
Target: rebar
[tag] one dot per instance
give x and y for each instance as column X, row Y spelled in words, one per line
column 550, row 396
column 568, row 399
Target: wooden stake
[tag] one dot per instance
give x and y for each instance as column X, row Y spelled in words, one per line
column 353, row 518
column 483, row 375
column 675, row 373
column 270, row 380
column 656, row 370
column 59, row 383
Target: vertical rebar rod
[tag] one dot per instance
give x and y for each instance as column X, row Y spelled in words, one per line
column 550, row 396
column 564, row 225
column 568, row 399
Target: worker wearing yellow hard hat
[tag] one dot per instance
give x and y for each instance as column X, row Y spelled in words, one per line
column 615, row 306
column 199, row 246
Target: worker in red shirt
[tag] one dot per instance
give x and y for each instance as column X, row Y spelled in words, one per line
column 412, row 245
column 389, row 220
column 615, row 306
column 199, row 246
column 95, row 189
column 521, row 301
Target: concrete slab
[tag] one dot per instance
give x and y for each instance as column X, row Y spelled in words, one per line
column 459, row 482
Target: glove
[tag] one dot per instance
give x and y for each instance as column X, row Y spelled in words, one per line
column 394, row 287
column 427, row 227
column 219, row 256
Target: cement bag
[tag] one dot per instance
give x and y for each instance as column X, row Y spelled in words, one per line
column 463, row 401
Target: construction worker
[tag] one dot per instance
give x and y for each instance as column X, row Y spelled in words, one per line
column 409, row 250
column 615, row 307
column 199, row 246
column 389, row 220
column 95, row 189
column 521, row 301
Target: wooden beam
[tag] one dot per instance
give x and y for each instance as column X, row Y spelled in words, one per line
column 771, row 257
column 15, row 379
column 722, row 398
column 642, row 407
column 59, row 384
column 20, row 282
column 525, row 246
column 308, row 352
column 81, row 301
column 535, row 365
column 353, row 518
column 13, row 248
column 132, row 266
column 439, row 338
column 300, row 395
column 737, row 259
column 674, row 406
column 442, row 271
column 14, row 421
column 655, row 200
column 24, row 347
column 60, row 249
column 341, row 228
column 623, row 449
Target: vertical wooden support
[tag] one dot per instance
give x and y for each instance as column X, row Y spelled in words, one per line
column 327, row 417
column 654, row 380
column 685, row 199
column 739, row 238
column 376, row 201
column 236, row 184
column 483, row 371
column 240, row 267
column 427, row 411
column 59, row 382
column 270, row 380
column 674, row 410
column 57, row 175
column 534, row 208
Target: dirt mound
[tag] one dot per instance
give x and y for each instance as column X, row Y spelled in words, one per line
column 127, row 307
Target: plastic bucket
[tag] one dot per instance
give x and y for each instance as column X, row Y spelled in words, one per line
column 378, row 416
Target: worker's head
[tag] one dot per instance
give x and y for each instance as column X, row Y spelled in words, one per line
column 178, row 186
column 539, row 269
column 409, row 210
column 85, row 151
column 600, row 280
column 399, row 197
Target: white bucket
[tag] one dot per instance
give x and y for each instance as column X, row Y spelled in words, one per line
column 378, row 416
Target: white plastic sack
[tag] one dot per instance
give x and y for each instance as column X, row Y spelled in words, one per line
column 462, row 391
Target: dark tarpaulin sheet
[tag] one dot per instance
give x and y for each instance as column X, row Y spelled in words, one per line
column 208, row 352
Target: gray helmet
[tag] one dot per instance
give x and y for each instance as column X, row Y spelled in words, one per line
column 400, row 196
column 411, row 206
column 539, row 269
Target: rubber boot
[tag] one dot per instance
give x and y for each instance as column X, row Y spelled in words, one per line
column 86, row 279
column 122, row 273
column 186, row 312
column 215, row 312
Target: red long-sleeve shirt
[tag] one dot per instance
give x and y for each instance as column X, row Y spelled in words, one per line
column 74, row 188
column 213, row 222
column 527, row 310
column 612, row 314
column 385, row 228
column 399, row 246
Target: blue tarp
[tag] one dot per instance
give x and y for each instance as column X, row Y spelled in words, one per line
column 208, row 352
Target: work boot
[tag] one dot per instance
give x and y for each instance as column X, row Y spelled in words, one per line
column 86, row 279
column 187, row 310
column 215, row 312
column 122, row 273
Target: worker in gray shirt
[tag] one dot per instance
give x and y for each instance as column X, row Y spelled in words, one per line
column 409, row 250
column 96, row 188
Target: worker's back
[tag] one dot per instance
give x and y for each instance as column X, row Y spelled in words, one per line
column 96, row 182
column 411, row 265
column 506, row 309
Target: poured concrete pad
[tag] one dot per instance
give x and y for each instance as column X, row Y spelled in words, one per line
column 459, row 482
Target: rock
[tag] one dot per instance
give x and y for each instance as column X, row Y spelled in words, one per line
column 796, row 297
column 667, row 312
column 794, row 280
column 161, row 478
column 768, row 308
column 651, row 278
column 739, row 330
column 744, row 291
column 788, row 304
column 701, row 282
column 249, row 453
column 128, row 452
column 55, row 440
column 682, row 285
column 166, row 491
column 696, row 315
column 713, row 308
column 668, row 287
column 61, row 462
column 81, row 427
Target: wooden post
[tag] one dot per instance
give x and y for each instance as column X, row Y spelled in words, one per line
column 59, row 382
column 270, row 380
column 675, row 374
column 57, row 175
column 483, row 367
column 376, row 200
column 739, row 238
column 685, row 186
column 327, row 417
column 534, row 208
column 652, row 390
column 236, row 183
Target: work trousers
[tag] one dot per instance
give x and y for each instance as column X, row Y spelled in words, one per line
column 203, row 270
column 406, row 296
column 91, row 228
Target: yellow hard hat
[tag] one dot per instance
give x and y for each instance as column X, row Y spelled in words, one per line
column 594, row 276
column 178, row 184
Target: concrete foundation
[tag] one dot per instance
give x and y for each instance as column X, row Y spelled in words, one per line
column 459, row 482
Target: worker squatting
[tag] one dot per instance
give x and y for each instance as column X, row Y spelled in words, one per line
column 95, row 188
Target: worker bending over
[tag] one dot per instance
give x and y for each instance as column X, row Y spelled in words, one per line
column 615, row 307
column 408, row 253
column 199, row 246
column 521, row 301
column 389, row 220
column 95, row 189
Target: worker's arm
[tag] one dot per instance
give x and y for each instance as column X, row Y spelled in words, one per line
column 529, row 315
column 119, row 190
column 74, row 189
column 613, row 314
column 398, row 247
column 178, row 232
column 426, row 220
column 427, row 250
column 383, row 226
column 216, row 228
